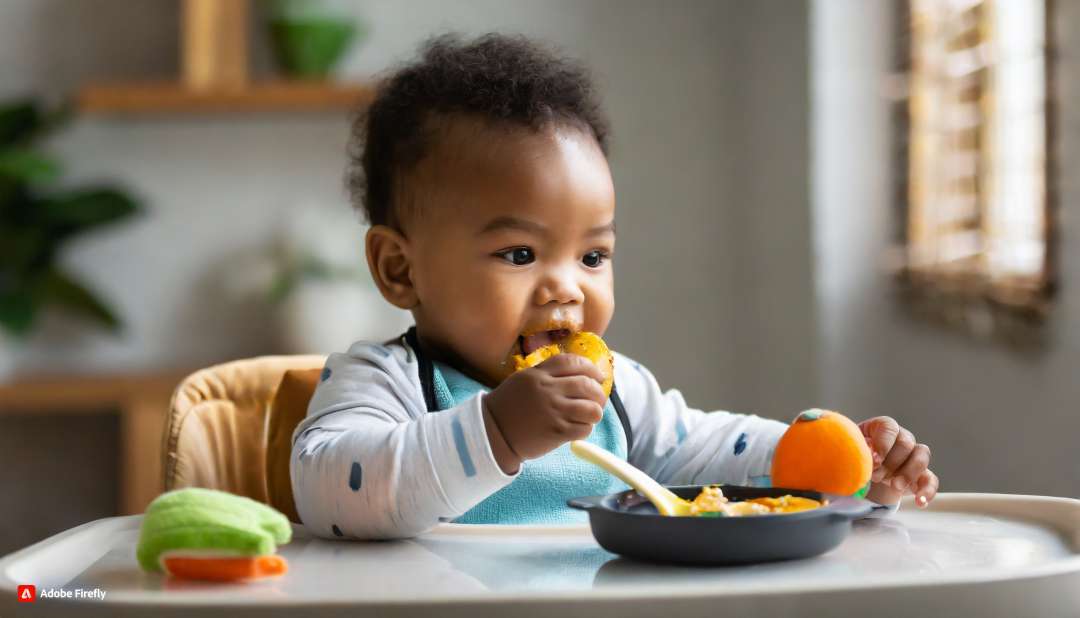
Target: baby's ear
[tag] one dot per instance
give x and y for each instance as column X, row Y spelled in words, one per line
column 388, row 259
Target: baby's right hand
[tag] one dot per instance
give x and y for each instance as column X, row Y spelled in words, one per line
column 538, row 409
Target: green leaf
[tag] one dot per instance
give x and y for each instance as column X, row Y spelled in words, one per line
column 281, row 287
column 58, row 288
column 21, row 248
column 314, row 268
column 27, row 166
column 862, row 492
column 22, row 121
column 18, row 121
column 17, row 312
column 88, row 208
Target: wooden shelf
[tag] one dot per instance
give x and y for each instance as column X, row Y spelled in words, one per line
column 82, row 393
column 269, row 96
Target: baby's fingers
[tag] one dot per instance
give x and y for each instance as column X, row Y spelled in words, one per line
column 581, row 412
column 898, row 455
column 562, row 365
column 881, row 433
column 582, row 387
column 926, row 488
column 912, row 468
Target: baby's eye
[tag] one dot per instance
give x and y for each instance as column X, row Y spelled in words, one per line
column 594, row 259
column 518, row 256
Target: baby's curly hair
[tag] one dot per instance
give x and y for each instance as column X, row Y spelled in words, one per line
column 498, row 78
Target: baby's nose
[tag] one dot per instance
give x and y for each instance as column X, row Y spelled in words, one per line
column 560, row 287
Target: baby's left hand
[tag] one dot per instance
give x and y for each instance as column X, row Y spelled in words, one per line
column 900, row 464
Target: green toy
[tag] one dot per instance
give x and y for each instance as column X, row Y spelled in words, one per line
column 198, row 533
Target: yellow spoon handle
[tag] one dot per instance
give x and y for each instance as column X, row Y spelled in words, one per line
column 665, row 501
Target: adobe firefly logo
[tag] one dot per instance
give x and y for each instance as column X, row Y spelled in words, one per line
column 27, row 593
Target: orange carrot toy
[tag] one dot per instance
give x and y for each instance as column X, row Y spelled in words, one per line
column 211, row 535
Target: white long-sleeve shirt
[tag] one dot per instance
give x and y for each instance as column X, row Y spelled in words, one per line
column 370, row 461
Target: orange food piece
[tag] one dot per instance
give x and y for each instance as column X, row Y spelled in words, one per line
column 822, row 451
column 786, row 504
column 582, row 343
column 225, row 569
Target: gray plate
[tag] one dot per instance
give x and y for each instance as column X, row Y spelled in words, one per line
column 626, row 523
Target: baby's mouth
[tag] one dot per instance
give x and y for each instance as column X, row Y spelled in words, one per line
column 539, row 339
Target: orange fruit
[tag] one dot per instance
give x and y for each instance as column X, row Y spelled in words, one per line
column 822, row 451
column 582, row 343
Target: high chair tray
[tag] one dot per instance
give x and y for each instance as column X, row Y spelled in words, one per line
column 968, row 554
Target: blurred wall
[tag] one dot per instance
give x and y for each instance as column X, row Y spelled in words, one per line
column 773, row 329
column 216, row 185
column 996, row 420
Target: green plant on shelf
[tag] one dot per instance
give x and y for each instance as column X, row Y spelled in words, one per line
column 38, row 218
column 309, row 37
column 294, row 270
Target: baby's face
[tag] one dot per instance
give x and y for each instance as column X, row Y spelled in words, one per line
column 514, row 239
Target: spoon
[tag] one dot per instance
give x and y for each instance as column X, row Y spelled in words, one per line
column 662, row 498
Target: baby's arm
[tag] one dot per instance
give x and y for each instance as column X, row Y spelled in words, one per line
column 371, row 462
column 677, row 444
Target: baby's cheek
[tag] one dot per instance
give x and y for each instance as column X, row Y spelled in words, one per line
column 599, row 308
column 491, row 324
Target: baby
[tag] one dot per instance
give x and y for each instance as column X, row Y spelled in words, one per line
column 482, row 169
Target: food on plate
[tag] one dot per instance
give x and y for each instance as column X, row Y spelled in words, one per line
column 711, row 502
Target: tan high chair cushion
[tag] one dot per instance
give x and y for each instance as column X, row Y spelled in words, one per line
column 216, row 432
column 286, row 411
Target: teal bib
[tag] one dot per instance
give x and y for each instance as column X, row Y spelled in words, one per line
column 539, row 494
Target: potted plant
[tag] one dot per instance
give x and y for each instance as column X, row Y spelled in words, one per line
column 37, row 219
column 313, row 277
column 309, row 38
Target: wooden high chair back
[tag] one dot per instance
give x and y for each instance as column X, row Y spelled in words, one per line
column 230, row 427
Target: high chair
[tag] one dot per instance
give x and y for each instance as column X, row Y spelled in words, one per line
column 230, row 427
